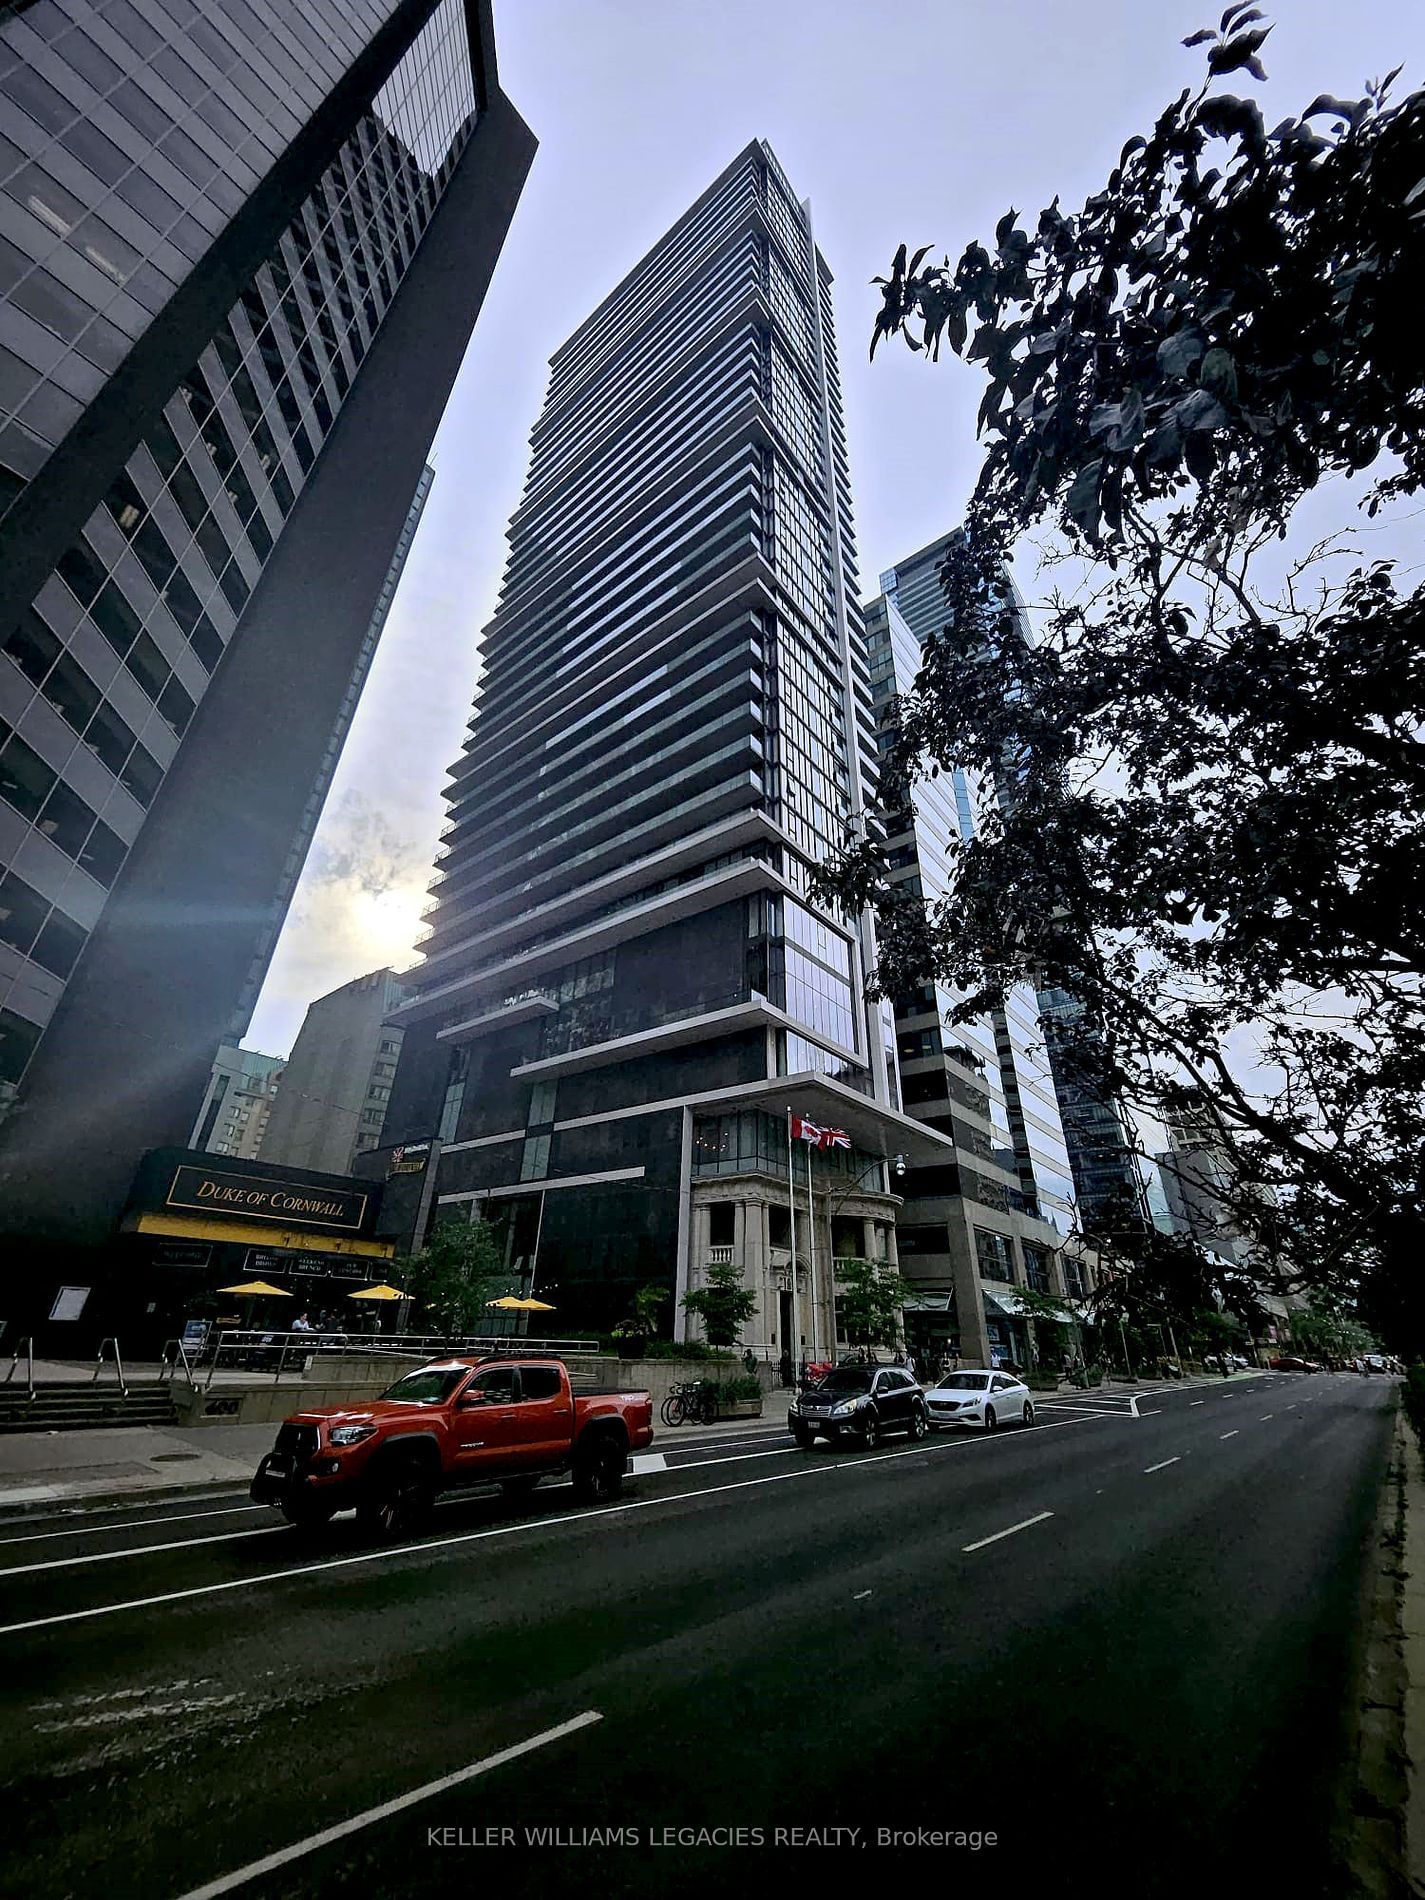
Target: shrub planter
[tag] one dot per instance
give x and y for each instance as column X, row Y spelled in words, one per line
column 740, row 1408
column 1042, row 1382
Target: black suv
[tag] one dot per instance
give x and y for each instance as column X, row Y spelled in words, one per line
column 859, row 1403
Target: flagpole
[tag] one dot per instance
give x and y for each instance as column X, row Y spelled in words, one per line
column 796, row 1304
column 811, row 1256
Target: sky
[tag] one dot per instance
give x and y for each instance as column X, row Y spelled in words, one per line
column 921, row 120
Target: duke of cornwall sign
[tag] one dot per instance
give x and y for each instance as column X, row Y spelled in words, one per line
column 232, row 1194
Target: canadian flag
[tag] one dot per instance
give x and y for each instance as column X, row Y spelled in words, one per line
column 819, row 1137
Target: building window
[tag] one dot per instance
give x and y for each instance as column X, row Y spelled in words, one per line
column 541, row 1104
column 1073, row 1277
column 1036, row 1269
column 534, row 1163
column 722, row 1223
column 995, row 1254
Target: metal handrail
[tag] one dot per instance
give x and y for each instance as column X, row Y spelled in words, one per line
column 314, row 1345
column 118, row 1365
column 27, row 1346
column 175, row 1354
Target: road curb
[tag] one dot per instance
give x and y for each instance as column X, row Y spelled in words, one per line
column 1411, row 1606
column 1386, row 1824
column 81, row 1503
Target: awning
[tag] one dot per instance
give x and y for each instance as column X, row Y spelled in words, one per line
column 874, row 1127
column 927, row 1303
column 1005, row 1303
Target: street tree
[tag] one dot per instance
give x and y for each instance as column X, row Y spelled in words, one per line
column 1214, row 833
column 454, row 1274
column 723, row 1304
column 870, row 1297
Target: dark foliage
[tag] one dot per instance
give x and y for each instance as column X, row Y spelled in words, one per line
column 1200, row 791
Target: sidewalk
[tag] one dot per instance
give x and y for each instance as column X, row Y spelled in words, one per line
column 42, row 1468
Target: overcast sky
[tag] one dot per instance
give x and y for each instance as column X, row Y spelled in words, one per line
column 914, row 119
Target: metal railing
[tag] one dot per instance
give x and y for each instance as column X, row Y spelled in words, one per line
column 27, row 1347
column 104, row 1344
column 302, row 1353
column 174, row 1355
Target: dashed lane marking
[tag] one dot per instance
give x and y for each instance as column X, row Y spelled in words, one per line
column 1012, row 1531
column 370, row 1816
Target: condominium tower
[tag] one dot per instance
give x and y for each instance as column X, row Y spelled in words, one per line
column 625, row 985
column 242, row 248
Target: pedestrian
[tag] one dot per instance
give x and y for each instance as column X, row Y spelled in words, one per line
column 784, row 1368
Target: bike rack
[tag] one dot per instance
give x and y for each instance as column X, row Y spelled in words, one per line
column 118, row 1365
column 26, row 1346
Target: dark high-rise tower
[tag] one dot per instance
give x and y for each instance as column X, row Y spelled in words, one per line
column 625, row 984
column 242, row 249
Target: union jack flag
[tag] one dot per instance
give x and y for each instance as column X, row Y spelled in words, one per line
column 819, row 1137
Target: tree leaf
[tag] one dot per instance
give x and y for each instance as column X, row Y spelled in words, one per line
column 1218, row 372
column 1178, row 353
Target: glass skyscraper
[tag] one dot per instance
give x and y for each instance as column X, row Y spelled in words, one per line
column 625, row 984
column 241, row 251
column 995, row 1220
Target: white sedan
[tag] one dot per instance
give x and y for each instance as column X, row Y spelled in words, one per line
column 986, row 1399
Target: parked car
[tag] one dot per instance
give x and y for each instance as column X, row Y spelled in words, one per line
column 860, row 1403
column 1290, row 1362
column 454, row 1422
column 985, row 1399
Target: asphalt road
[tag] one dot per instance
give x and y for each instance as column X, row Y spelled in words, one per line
column 1123, row 1645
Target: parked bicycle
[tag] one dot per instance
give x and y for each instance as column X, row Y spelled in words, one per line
column 692, row 1403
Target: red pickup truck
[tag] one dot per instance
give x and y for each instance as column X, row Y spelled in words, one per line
column 454, row 1422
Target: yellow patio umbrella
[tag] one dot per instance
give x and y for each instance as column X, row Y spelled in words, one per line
column 258, row 1289
column 379, row 1292
column 511, row 1304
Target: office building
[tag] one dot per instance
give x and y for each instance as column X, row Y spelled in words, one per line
column 238, row 1101
column 625, row 985
column 994, row 1217
column 1090, row 1127
column 243, row 248
column 332, row 1103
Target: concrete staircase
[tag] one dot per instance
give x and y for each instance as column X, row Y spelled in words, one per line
column 74, row 1407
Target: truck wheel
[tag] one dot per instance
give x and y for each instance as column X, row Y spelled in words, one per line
column 397, row 1502
column 307, row 1514
column 599, row 1468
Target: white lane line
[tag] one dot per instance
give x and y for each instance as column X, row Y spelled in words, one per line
column 804, row 1470
column 1222, row 1435
column 1013, row 1529
column 642, row 1461
column 860, row 1596
column 141, row 1550
column 1192, row 1402
column 1265, row 1416
column 1148, row 1470
column 134, row 1524
column 1153, row 1414
column 286, row 1855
